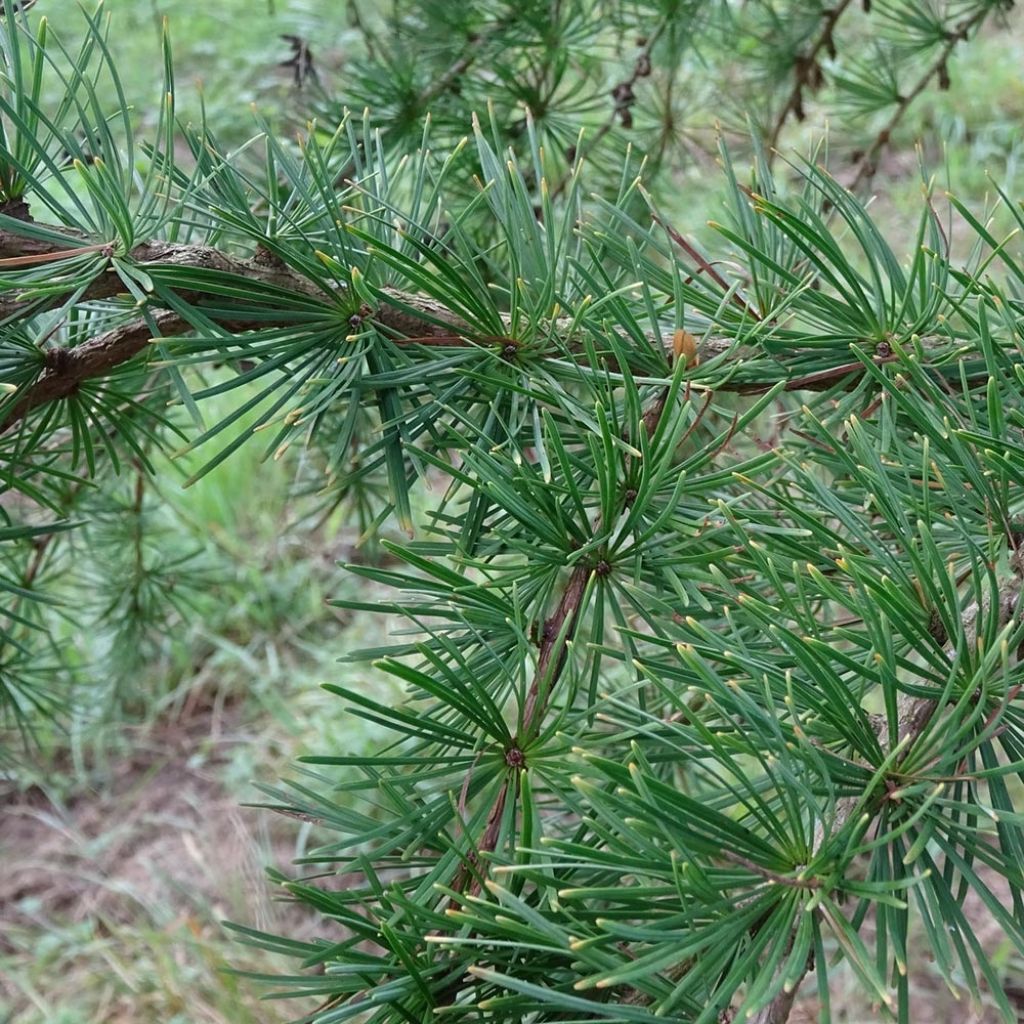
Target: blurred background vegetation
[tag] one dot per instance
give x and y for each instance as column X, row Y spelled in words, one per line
column 125, row 837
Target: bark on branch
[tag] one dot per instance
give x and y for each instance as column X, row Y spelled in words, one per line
column 66, row 369
column 410, row 319
column 99, row 357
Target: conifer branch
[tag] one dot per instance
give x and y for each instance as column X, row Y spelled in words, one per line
column 750, row 750
column 67, row 369
column 913, row 716
column 410, row 320
column 557, row 633
column 260, row 271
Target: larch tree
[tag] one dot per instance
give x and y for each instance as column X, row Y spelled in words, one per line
column 712, row 657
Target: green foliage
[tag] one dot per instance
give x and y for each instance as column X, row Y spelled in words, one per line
column 710, row 654
column 660, row 75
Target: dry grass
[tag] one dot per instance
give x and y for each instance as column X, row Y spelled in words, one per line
column 110, row 906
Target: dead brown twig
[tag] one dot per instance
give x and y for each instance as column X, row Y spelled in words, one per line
column 623, row 96
column 807, row 72
column 867, row 165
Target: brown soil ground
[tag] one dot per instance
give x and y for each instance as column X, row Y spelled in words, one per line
column 163, row 848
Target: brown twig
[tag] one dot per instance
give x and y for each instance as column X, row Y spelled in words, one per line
column 624, row 98
column 26, row 260
column 818, row 381
column 65, row 373
column 704, row 266
column 556, row 634
column 153, row 256
column 868, row 163
column 469, row 875
column 779, row 1009
column 806, row 70
column 145, row 256
column 67, row 369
